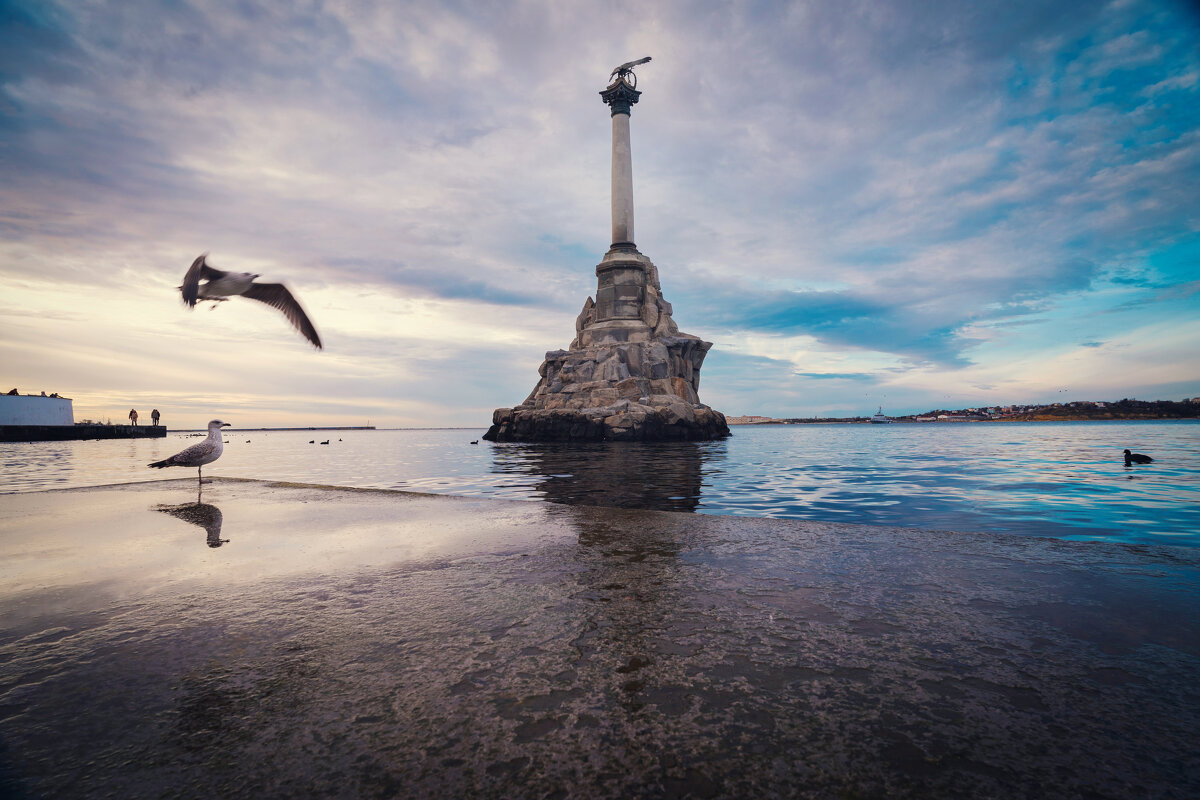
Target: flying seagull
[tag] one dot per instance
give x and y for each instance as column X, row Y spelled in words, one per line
column 1136, row 458
column 219, row 286
column 198, row 454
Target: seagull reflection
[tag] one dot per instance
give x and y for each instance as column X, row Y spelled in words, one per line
column 204, row 515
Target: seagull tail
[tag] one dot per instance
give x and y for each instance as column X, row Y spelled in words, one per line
column 166, row 462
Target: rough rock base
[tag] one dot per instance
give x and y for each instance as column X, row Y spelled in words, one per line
column 629, row 375
column 622, row 422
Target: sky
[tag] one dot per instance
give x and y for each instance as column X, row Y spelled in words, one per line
column 914, row 205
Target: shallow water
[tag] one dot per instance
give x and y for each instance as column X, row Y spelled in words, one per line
column 1066, row 480
column 346, row 644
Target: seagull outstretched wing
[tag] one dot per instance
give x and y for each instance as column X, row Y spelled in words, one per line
column 277, row 296
column 200, row 270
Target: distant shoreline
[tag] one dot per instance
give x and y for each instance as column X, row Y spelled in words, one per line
column 1126, row 410
column 909, row 421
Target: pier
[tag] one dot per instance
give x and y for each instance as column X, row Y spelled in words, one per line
column 63, row 433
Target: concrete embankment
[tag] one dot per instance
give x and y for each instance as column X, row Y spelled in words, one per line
column 62, row 433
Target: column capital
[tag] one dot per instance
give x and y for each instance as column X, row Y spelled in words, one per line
column 620, row 96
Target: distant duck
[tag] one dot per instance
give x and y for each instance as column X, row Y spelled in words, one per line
column 325, row 442
column 312, row 441
column 1136, row 458
column 475, row 442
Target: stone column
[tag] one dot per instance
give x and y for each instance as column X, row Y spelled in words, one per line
column 630, row 373
column 620, row 97
column 622, row 181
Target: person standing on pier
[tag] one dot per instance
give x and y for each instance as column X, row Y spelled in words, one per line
column 154, row 415
column 133, row 417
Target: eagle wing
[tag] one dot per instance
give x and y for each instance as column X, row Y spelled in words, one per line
column 629, row 65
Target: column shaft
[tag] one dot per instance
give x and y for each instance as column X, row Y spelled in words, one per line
column 622, row 181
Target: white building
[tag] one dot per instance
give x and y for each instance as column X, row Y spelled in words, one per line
column 32, row 409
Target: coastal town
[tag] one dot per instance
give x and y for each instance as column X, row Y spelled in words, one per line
column 1126, row 409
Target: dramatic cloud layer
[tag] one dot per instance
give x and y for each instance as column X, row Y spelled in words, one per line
column 909, row 204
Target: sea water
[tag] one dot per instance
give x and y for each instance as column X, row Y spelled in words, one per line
column 1065, row 480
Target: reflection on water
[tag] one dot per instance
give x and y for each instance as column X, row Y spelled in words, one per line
column 667, row 477
column 627, row 585
column 203, row 515
column 1046, row 479
column 570, row 651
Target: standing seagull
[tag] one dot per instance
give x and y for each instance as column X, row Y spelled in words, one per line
column 219, row 286
column 198, row 454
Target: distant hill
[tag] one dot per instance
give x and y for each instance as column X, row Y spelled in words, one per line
column 1075, row 410
column 1119, row 409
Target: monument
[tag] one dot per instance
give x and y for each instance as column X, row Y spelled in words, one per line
column 629, row 374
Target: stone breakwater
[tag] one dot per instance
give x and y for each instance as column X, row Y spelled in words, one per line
column 629, row 374
column 65, row 433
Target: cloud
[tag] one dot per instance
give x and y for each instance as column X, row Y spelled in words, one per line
column 909, row 188
column 838, row 376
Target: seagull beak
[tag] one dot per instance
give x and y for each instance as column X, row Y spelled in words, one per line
column 224, row 424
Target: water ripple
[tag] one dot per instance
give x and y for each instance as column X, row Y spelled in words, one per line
column 1049, row 479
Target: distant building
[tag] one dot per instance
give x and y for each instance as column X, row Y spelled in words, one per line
column 750, row 419
column 33, row 409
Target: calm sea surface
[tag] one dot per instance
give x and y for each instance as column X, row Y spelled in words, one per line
column 1065, row 480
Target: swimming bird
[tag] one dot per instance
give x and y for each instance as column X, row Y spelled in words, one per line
column 198, row 454
column 1136, row 458
column 219, row 286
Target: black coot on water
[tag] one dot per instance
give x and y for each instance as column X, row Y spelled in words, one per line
column 1136, row 458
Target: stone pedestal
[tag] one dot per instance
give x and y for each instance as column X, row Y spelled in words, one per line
column 629, row 375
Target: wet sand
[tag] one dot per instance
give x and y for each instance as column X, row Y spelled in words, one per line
column 280, row 640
